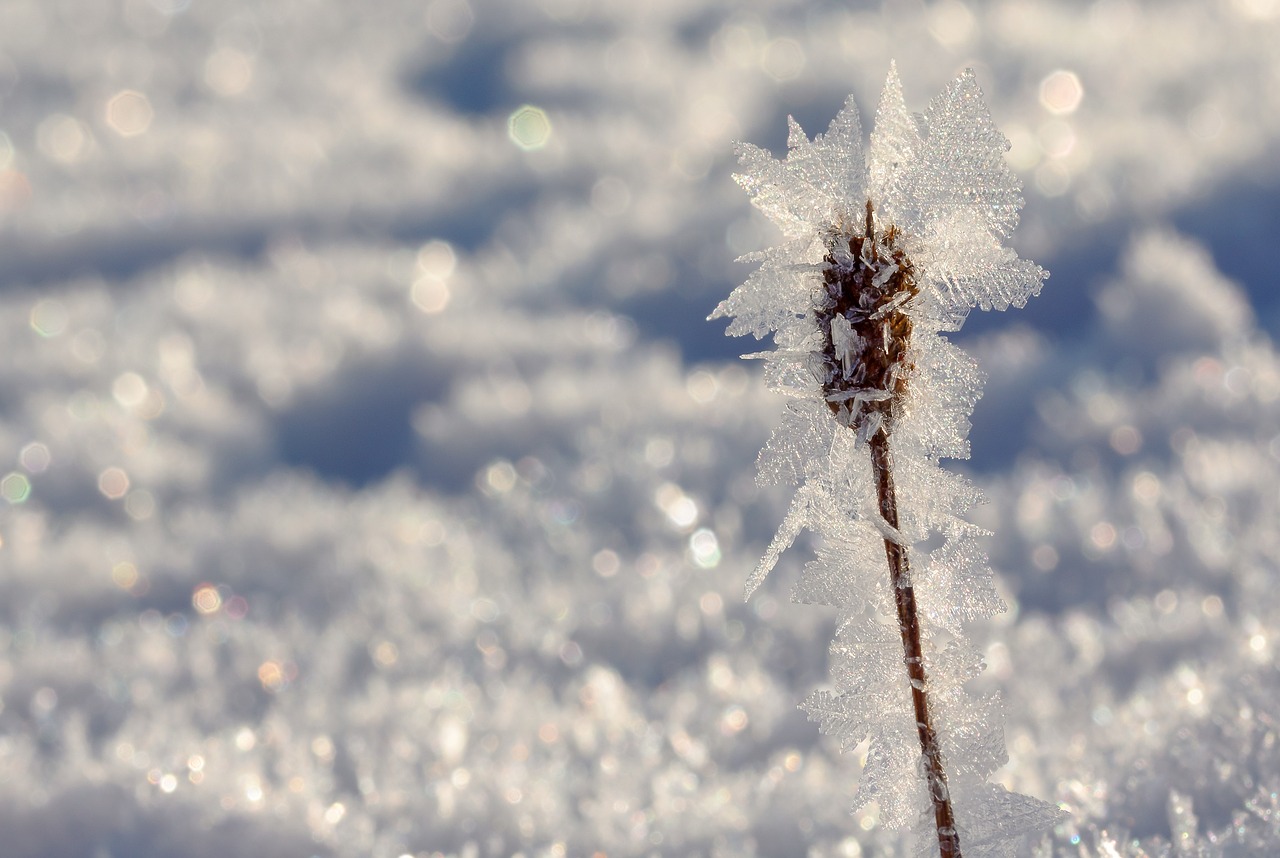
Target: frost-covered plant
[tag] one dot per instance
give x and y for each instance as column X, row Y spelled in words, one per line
column 881, row 257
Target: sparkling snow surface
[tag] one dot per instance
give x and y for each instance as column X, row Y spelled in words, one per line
column 372, row 485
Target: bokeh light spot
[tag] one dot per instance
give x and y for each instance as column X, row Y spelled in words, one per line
column 486, row 611
column 571, row 654
column 1053, row 179
column 1045, row 557
column 140, row 505
column 15, row 488
column 951, row 23
column 1126, row 440
column 206, row 599
column 658, row 452
column 275, row 675
column 1205, row 122
column 702, row 386
column 1024, row 148
column 1146, row 487
column 1103, row 535
column 430, row 294
column 35, row 458
column 228, row 72
column 271, row 675
column 44, row 701
column 129, row 389
column 322, row 747
column 436, row 263
column 680, row 509
column 113, row 483
column 529, row 127
column 61, row 138
column 133, row 394
column 124, row 575
column 49, row 318
column 1056, row 138
column 237, row 607
column 783, row 59
column 606, row 563
column 500, row 477
column 450, row 20
column 129, row 113
column 705, row 548
column 386, row 654
column 437, row 258
column 253, row 791
column 245, row 739
column 1061, row 92
column 733, row 720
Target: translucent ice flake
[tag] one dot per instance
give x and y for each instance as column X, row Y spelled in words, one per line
column 797, row 518
column 973, row 732
column 893, row 773
column 962, row 165
column 992, row 822
column 957, row 586
column 832, row 164
column 881, row 259
column 968, row 266
column 895, row 145
column 775, row 296
column 846, row 573
column 803, row 437
column 943, row 399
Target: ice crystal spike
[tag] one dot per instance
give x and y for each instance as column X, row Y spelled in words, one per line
column 883, row 256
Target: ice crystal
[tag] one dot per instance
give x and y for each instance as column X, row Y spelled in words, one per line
column 882, row 255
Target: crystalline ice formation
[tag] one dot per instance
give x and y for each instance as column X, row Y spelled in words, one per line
column 882, row 256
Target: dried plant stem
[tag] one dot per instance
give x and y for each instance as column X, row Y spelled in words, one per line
column 913, row 655
column 862, row 313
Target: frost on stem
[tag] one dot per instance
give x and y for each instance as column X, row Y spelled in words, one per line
column 883, row 255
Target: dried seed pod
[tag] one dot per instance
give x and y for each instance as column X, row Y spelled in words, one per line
column 862, row 311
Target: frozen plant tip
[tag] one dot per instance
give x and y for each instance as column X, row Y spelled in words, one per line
column 883, row 255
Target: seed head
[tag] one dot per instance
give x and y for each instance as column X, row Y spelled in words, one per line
column 862, row 309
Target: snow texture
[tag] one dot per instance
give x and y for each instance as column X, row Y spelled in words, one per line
column 371, row 485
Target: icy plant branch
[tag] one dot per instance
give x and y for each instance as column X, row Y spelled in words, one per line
column 882, row 255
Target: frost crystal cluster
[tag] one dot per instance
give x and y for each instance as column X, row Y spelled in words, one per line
column 882, row 255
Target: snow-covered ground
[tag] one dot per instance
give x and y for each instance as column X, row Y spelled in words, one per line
column 372, row 485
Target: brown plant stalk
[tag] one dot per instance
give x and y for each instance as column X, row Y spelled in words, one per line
column 862, row 314
column 913, row 655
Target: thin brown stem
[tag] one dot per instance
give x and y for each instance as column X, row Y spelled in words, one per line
column 913, row 654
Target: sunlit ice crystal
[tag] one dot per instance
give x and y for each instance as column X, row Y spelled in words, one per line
column 887, row 247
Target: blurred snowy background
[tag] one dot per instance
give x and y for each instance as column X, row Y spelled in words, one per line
column 372, row 485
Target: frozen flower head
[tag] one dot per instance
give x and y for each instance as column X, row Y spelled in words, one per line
column 909, row 236
column 883, row 254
